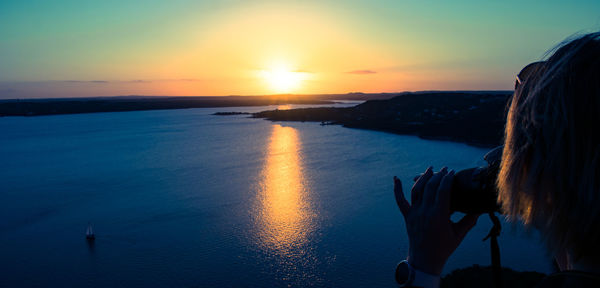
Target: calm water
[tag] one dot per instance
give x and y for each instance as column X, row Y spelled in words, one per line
column 182, row 198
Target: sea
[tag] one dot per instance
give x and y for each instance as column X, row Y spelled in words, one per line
column 184, row 198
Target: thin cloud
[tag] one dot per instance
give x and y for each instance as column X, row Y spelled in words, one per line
column 94, row 82
column 81, row 81
column 124, row 81
column 7, row 91
column 362, row 72
column 439, row 65
column 185, row 79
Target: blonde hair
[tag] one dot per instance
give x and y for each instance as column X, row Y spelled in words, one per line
column 550, row 171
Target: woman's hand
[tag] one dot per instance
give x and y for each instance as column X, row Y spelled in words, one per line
column 432, row 236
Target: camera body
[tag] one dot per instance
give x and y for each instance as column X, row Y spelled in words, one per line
column 474, row 190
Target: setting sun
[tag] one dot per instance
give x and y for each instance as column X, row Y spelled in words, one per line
column 281, row 79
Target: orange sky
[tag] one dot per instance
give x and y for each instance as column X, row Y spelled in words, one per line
column 266, row 47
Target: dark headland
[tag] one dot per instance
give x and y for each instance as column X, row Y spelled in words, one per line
column 473, row 117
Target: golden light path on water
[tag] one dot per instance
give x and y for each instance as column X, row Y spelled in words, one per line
column 285, row 220
column 284, row 107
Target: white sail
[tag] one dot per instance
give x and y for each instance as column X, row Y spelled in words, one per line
column 89, row 231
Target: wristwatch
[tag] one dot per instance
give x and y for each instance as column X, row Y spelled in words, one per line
column 407, row 276
column 404, row 274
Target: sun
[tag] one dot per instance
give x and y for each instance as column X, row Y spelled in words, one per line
column 282, row 79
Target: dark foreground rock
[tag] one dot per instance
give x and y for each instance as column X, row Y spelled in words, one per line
column 475, row 118
column 477, row 276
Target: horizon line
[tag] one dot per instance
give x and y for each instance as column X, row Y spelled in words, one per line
column 253, row 95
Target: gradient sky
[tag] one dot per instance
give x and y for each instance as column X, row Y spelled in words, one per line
column 106, row 48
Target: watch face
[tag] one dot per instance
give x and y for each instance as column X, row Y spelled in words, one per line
column 402, row 273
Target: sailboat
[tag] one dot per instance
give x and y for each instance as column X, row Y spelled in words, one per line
column 89, row 233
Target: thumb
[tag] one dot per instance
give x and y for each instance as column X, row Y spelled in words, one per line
column 465, row 224
column 400, row 199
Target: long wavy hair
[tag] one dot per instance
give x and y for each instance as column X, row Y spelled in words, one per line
column 550, row 171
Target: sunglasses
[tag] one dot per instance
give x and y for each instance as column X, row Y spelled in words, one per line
column 528, row 71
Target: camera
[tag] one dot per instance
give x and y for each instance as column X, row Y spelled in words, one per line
column 474, row 190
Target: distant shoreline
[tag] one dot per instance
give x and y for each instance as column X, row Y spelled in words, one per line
column 58, row 106
column 476, row 118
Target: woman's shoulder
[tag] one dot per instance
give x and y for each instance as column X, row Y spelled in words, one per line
column 570, row 279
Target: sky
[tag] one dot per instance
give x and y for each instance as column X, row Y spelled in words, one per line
column 254, row 47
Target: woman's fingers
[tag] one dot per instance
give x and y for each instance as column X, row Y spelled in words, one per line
column 431, row 187
column 400, row 199
column 464, row 225
column 417, row 189
column 443, row 193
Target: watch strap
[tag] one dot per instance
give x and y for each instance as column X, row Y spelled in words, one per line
column 425, row 280
column 408, row 276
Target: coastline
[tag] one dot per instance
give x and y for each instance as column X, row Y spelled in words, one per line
column 474, row 118
column 57, row 106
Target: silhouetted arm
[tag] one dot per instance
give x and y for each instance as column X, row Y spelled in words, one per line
column 433, row 237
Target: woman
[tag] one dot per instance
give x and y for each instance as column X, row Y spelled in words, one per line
column 549, row 176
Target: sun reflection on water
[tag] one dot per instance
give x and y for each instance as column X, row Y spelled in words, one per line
column 284, row 218
column 284, row 107
column 284, row 213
